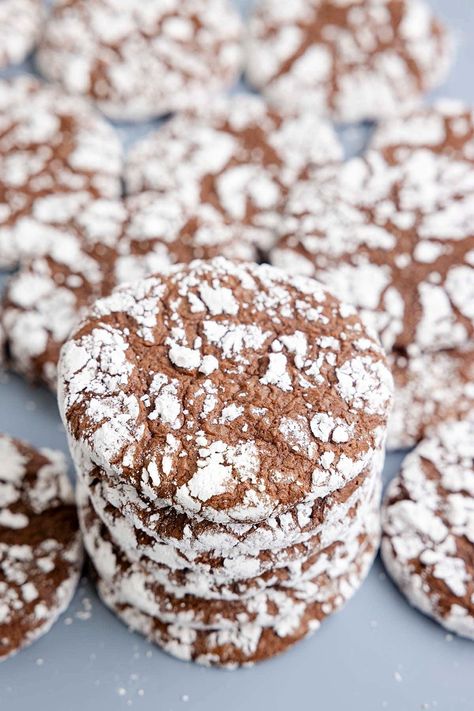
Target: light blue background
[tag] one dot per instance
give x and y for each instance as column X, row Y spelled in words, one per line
column 376, row 654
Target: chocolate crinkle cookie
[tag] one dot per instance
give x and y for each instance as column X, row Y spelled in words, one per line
column 40, row 544
column 231, row 391
column 391, row 232
column 236, row 155
column 20, row 28
column 428, row 527
column 92, row 246
column 53, row 147
column 348, row 59
column 136, row 59
column 227, row 423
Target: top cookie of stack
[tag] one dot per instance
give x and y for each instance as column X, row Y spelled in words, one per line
column 235, row 392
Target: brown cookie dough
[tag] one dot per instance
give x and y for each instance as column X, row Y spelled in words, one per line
column 232, row 391
column 181, row 540
column 348, row 59
column 53, row 148
column 237, row 156
column 428, row 527
column 136, row 59
column 20, row 27
column 242, row 645
column 274, row 605
column 393, row 236
column 209, row 574
column 446, row 127
column 40, row 545
column 93, row 246
column 430, row 388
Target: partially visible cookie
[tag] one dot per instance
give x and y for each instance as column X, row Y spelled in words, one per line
column 136, row 59
column 40, row 544
column 237, row 156
column 351, row 60
column 428, row 527
column 93, row 246
column 20, row 27
column 446, row 127
column 430, row 388
column 52, row 147
column 393, row 236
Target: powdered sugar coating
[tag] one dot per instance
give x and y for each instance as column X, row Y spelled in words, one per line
column 242, row 645
column 40, row 546
column 445, row 127
column 231, row 579
column 349, row 59
column 220, row 557
column 430, row 388
column 20, row 26
column 93, row 245
column 237, row 156
column 52, row 146
column 139, row 400
column 428, row 527
column 137, row 59
column 393, row 236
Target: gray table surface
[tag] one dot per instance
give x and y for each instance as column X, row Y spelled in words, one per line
column 378, row 653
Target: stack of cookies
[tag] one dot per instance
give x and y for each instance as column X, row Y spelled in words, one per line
column 227, row 423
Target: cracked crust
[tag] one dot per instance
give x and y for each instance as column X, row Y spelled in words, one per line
column 242, row 645
column 233, row 391
column 53, row 148
column 349, row 59
column 428, row 527
column 393, row 235
column 40, row 545
column 94, row 245
column 430, row 388
column 137, row 60
column 170, row 578
column 196, row 550
column 236, row 156
column 446, row 127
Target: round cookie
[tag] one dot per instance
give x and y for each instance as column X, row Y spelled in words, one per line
column 281, row 603
column 20, row 26
column 93, row 246
column 40, row 544
column 428, row 527
column 233, row 391
column 352, row 60
column 430, row 388
column 245, row 644
column 181, row 540
column 52, row 146
column 394, row 237
column 237, row 156
column 210, row 575
column 446, row 127
column 137, row 60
